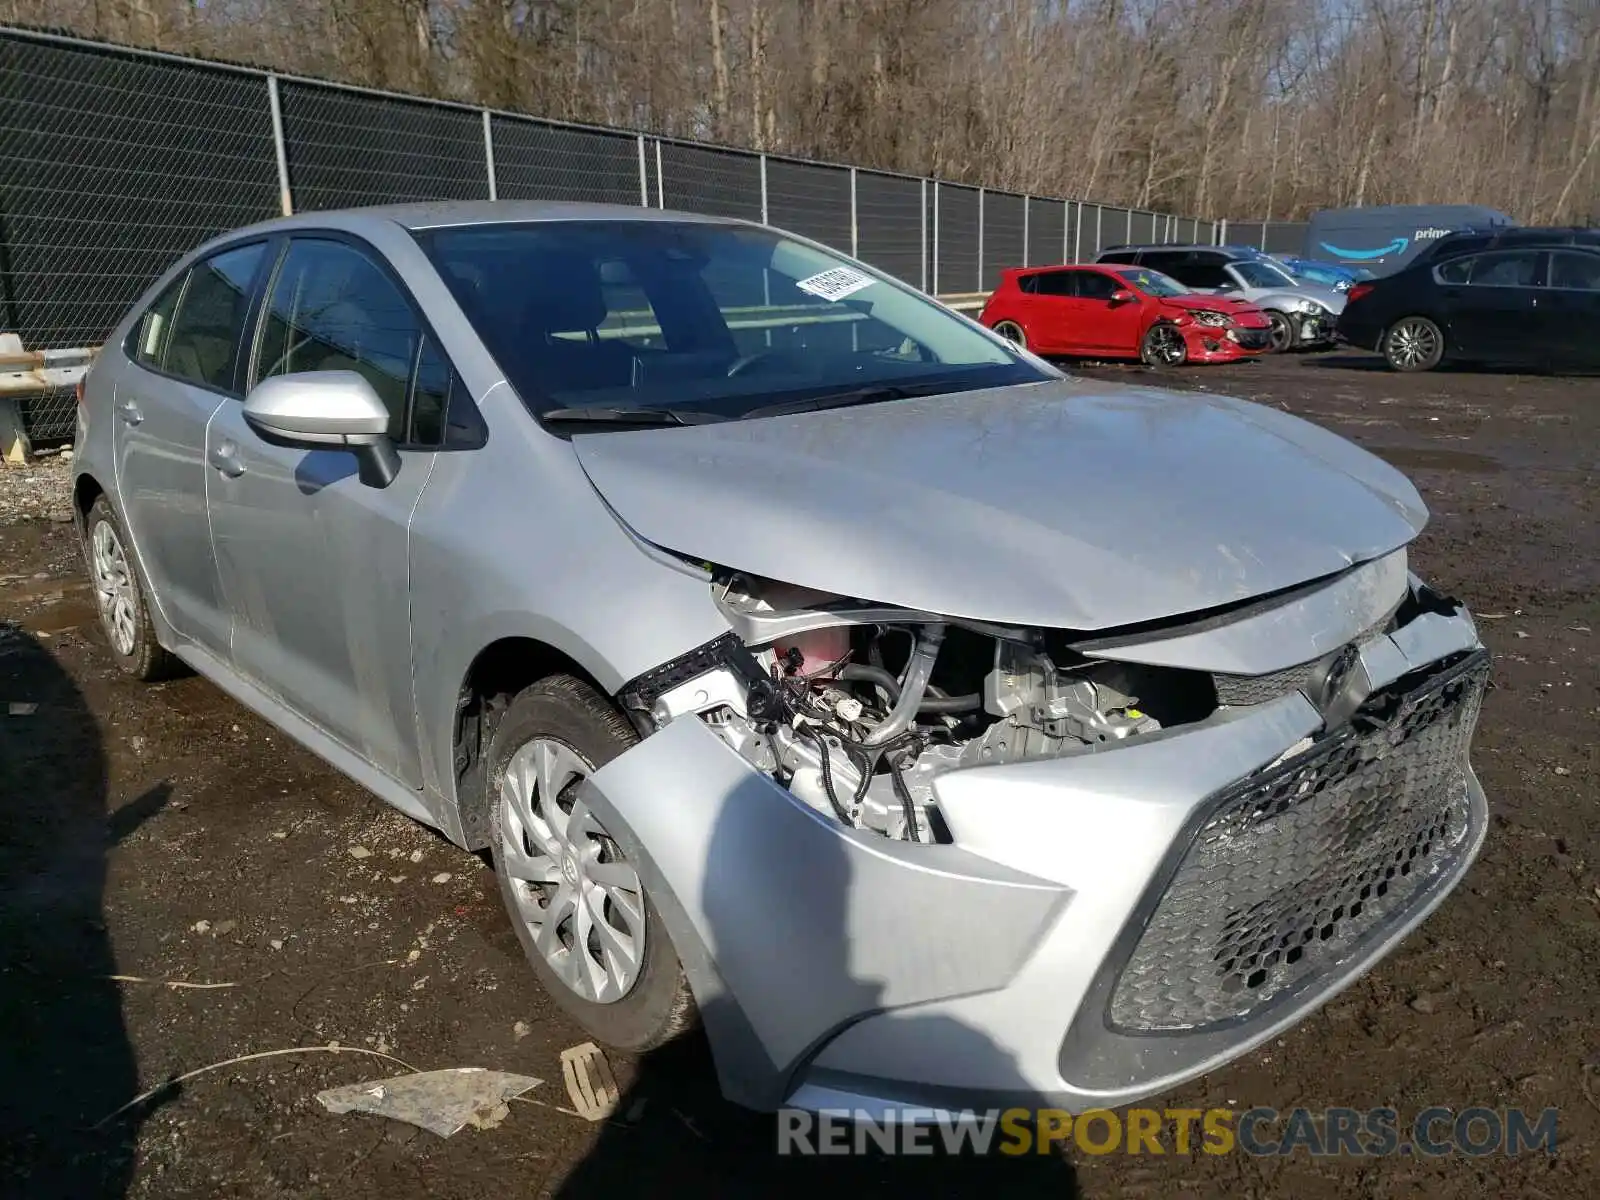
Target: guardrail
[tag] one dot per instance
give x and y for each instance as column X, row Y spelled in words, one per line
column 30, row 373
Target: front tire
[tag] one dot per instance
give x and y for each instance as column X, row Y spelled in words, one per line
column 1282, row 335
column 1012, row 332
column 1413, row 344
column 1163, row 346
column 591, row 934
column 121, row 600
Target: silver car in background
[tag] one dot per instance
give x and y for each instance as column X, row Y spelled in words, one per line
column 1302, row 313
column 935, row 728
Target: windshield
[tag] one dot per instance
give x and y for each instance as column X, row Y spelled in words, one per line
column 1153, row 283
column 1258, row 273
column 700, row 318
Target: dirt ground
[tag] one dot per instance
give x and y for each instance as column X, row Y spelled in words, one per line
column 163, row 833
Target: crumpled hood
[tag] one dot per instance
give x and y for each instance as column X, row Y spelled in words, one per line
column 1276, row 297
column 1243, row 312
column 1066, row 504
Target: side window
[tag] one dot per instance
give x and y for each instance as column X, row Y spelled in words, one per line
column 1027, row 283
column 1511, row 268
column 1200, row 275
column 209, row 323
column 150, row 338
column 333, row 309
column 1056, row 283
column 1094, row 286
column 1120, row 256
column 1575, row 270
column 431, row 387
column 1164, row 260
column 1457, row 270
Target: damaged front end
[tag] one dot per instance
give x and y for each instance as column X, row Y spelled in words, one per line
column 857, row 709
column 1194, row 830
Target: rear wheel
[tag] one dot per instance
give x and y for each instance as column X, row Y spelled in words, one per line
column 120, row 599
column 1413, row 344
column 1012, row 332
column 578, row 907
column 1163, row 346
column 1282, row 335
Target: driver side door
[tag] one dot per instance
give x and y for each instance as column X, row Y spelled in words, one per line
column 1111, row 326
column 314, row 564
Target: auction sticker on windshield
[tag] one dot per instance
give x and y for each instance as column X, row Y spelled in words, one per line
column 835, row 284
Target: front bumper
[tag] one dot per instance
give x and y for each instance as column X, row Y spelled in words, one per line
column 1316, row 329
column 1088, row 938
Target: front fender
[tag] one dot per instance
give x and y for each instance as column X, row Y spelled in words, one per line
column 790, row 927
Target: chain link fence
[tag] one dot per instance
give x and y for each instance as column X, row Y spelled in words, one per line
column 114, row 162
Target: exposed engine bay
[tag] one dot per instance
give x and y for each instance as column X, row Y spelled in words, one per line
column 857, row 709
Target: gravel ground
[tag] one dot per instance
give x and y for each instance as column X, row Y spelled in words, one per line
column 39, row 491
column 152, row 834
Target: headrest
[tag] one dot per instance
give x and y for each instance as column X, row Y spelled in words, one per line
column 562, row 294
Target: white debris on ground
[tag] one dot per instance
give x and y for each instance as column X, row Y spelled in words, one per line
column 41, row 490
column 441, row 1102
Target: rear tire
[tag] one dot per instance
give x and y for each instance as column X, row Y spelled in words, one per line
column 121, row 599
column 1163, row 346
column 1282, row 335
column 1413, row 344
column 592, row 936
column 1012, row 332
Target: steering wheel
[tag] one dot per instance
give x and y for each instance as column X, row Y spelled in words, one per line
column 745, row 361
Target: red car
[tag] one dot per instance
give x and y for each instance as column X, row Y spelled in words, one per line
column 1122, row 312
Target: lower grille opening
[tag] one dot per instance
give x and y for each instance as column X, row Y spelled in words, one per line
column 1296, row 867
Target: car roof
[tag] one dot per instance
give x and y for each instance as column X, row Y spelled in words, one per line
column 1528, row 236
column 1234, row 251
column 454, row 213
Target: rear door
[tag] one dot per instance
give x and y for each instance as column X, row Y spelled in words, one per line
column 183, row 369
column 1494, row 315
column 1570, row 309
column 315, row 564
column 1055, row 313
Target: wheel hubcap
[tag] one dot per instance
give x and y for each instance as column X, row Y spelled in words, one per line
column 114, row 588
column 1012, row 333
column 1412, row 343
column 574, row 892
column 1280, row 331
column 1166, row 346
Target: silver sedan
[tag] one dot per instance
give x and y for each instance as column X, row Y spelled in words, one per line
column 937, row 729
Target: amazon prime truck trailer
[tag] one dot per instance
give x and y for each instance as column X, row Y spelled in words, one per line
column 1383, row 239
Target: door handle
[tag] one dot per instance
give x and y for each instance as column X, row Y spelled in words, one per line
column 129, row 412
column 225, row 458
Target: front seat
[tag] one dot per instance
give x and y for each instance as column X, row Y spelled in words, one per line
column 563, row 309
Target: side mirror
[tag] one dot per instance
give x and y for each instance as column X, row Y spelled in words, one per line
column 1121, row 296
column 321, row 410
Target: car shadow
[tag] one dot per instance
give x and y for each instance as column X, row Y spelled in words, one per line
column 1375, row 362
column 674, row 1134
column 65, row 1058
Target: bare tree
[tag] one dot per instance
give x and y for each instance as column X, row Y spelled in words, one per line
column 1216, row 107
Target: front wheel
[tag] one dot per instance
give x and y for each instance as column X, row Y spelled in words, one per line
column 593, row 938
column 1413, row 344
column 1282, row 335
column 1163, row 346
column 1012, row 332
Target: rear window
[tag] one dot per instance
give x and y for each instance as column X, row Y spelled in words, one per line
column 209, row 323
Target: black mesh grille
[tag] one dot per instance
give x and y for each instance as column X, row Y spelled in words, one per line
column 1295, row 867
column 1258, row 689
